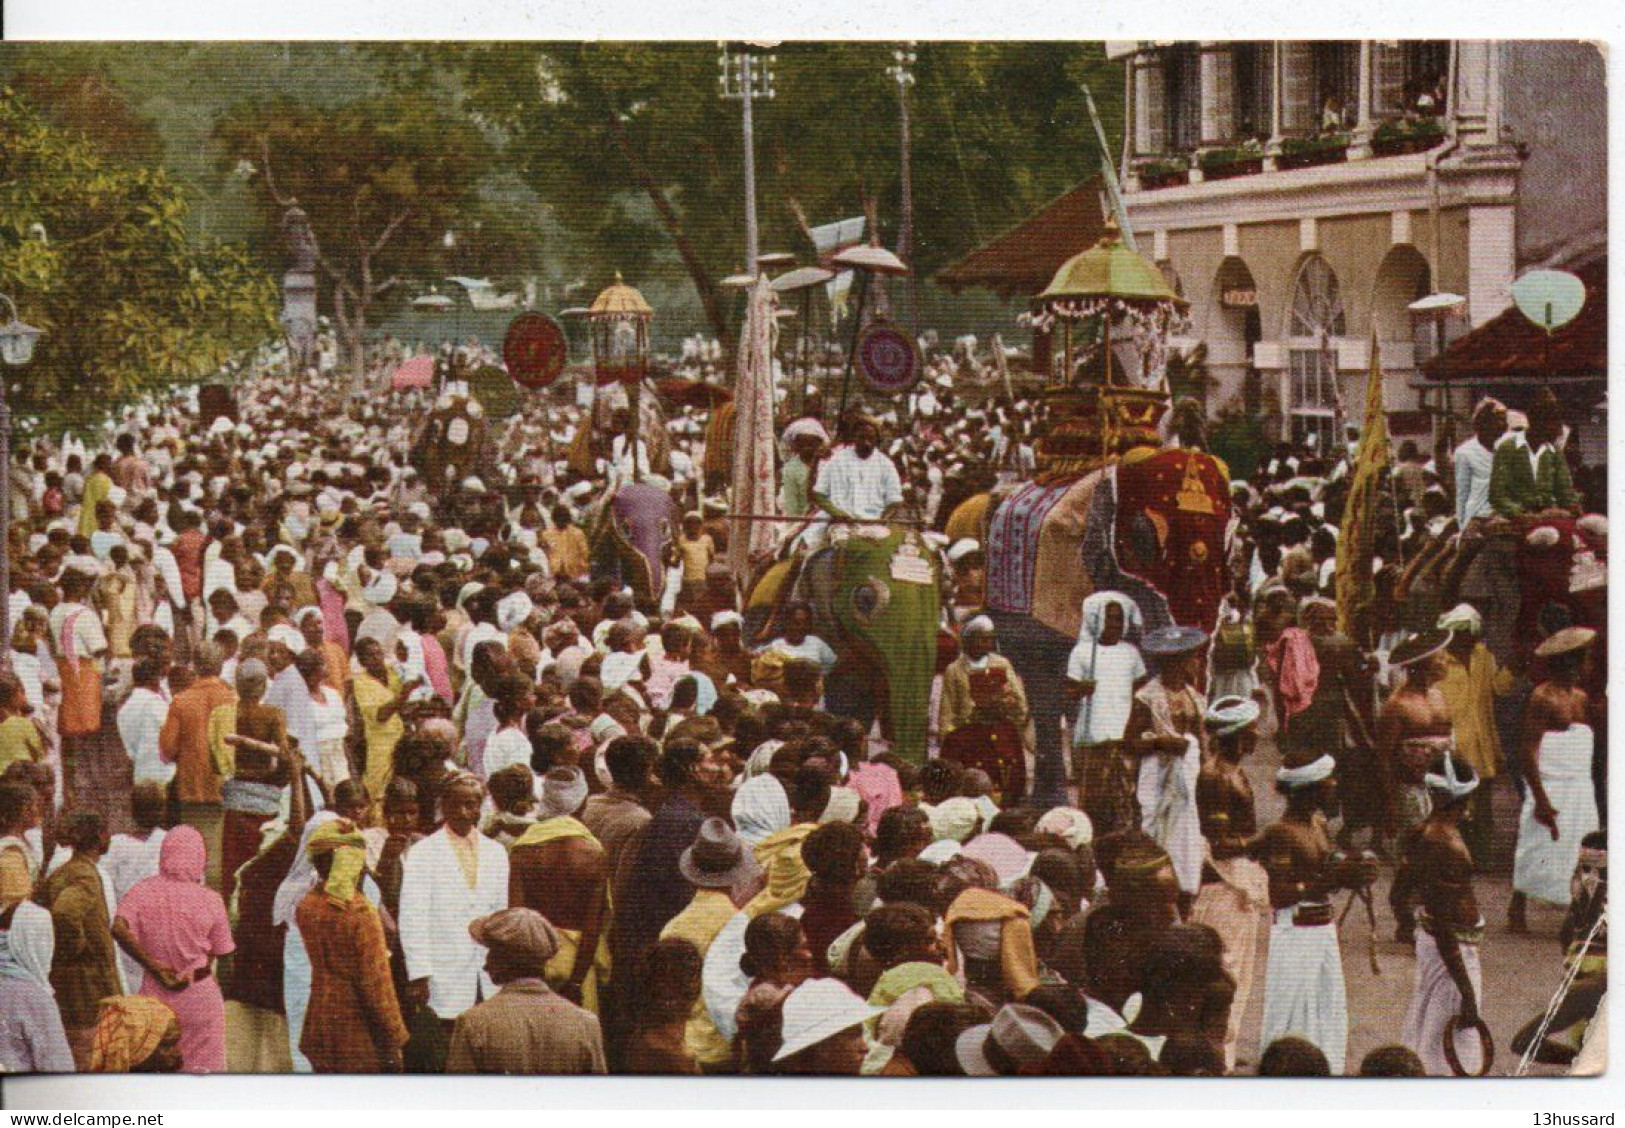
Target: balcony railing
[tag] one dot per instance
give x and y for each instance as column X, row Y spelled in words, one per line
column 1393, row 137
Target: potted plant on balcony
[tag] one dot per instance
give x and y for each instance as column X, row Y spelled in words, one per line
column 1165, row 172
column 1305, row 152
column 1407, row 135
column 1243, row 160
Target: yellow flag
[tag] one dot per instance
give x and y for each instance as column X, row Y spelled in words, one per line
column 1356, row 539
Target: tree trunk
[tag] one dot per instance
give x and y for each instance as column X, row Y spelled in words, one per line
column 714, row 312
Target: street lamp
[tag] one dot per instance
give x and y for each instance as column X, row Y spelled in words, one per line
column 619, row 319
column 746, row 74
column 17, row 341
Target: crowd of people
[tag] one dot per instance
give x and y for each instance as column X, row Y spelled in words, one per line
column 314, row 759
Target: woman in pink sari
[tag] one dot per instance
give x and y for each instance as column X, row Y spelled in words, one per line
column 176, row 927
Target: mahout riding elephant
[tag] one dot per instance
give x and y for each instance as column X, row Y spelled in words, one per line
column 1151, row 526
column 876, row 599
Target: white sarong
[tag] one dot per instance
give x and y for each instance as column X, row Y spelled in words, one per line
column 1434, row 1002
column 1304, row 993
column 1541, row 868
column 1167, row 794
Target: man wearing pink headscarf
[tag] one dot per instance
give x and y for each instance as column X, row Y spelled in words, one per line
column 175, row 927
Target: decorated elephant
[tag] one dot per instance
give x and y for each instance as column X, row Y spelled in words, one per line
column 876, row 599
column 1151, row 525
column 628, row 533
column 1511, row 574
column 454, row 444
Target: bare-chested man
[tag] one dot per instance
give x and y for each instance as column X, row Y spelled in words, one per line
column 1234, row 899
column 1414, row 729
column 1560, row 806
column 1304, row 992
column 561, row 870
column 1448, row 979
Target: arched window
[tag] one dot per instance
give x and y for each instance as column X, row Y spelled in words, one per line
column 1316, row 319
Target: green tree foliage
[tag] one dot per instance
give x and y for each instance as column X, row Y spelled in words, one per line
column 97, row 254
column 998, row 129
column 382, row 180
column 84, row 101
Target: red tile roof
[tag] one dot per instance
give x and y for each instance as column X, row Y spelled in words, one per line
column 1022, row 260
column 1511, row 347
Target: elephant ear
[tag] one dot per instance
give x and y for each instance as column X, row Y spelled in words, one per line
column 887, row 601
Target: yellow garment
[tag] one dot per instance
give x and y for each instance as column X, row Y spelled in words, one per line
column 16, row 876
column 699, row 924
column 223, row 723
column 1017, row 957
column 563, row 964
column 468, row 854
column 97, row 487
column 697, row 555
column 787, row 875
column 371, row 695
column 554, row 830
column 20, row 742
column 128, row 1030
column 1470, row 689
column 349, row 850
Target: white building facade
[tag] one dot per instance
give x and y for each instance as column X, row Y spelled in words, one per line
column 1299, row 194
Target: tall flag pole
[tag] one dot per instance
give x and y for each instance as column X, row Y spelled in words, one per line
column 1114, row 192
column 755, row 483
column 1356, row 540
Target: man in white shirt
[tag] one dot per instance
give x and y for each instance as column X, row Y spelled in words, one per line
column 1474, row 461
column 140, row 719
column 449, row 879
column 1102, row 673
column 858, row 481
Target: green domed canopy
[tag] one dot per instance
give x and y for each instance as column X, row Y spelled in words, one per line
column 1109, row 270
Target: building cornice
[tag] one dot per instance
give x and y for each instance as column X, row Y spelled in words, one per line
column 1379, row 185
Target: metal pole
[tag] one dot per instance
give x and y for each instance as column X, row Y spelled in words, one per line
column 747, row 94
column 862, row 283
column 905, row 235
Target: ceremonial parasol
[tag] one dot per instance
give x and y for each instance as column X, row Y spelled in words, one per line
column 1109, row 281
column 866, row 259
column 804, row 280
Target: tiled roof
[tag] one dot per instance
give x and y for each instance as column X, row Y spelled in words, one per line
column 1510, row 346
column 1024, row 259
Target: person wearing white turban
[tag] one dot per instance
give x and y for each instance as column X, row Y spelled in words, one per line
column 1234, row 898
column 513, row 609
column 760, row 808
